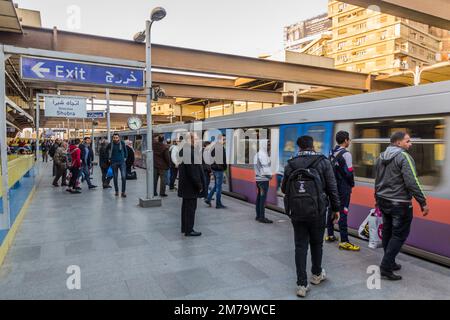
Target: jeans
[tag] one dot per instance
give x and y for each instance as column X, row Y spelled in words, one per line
column 397, row 218
column 308, row 233
column 87, row 174
column 263, row 188
column 123, row 175
column 343, row 215
column 173, row 177
column 218, row 181
column 161, row 175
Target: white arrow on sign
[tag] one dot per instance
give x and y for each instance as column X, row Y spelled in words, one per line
column 37, row 69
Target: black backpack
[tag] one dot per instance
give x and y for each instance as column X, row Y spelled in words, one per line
column 305, row 199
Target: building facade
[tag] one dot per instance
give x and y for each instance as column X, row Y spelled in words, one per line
column 369, row 41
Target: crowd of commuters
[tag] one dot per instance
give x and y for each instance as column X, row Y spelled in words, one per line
column 317, row 188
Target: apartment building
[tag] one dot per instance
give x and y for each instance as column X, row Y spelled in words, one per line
column 368, row 41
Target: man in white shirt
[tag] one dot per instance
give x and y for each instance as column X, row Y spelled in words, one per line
column 263, row 175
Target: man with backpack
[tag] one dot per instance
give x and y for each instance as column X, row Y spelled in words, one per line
column 310, row 187
column 118, row 155
column 342, row 164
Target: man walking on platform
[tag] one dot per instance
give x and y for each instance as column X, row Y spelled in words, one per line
column 263, row 175
column 218, row 168
column 161, row 163
column 117, row 157
column 396, row 183
column 104, row 163
column 60, row 162
column 310, row 187
column 87, row 160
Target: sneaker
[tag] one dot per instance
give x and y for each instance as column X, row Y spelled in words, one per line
column 221, row 206
column 55, row 185
column 76, row 192
column 316, row 280
column 123, row 195
column 208, row 203
column 117, row 194
column 92, row 187
column 348, row 246
column 330, row 239
column 164, row 196
column 265, row 220
column 301, row 291
column 77, row 188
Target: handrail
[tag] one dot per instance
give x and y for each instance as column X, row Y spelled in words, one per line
column 17, row 168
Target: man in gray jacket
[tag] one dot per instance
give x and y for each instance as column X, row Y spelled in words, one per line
column 396, row 183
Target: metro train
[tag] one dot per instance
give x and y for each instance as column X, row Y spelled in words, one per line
column 424, row 111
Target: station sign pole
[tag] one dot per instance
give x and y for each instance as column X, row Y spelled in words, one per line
column 108, row 116
column 5, row 218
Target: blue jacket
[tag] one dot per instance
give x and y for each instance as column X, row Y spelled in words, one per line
column 117, row 152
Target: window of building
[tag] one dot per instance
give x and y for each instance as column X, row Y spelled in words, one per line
column 360, row 26
column 342, row 31
column 383, row 34
column 383, row 19
column 360, row 40
column 341, row 45
column 342, row 6
column 360, row 67
column 428, row 150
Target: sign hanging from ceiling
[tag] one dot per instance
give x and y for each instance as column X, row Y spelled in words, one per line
column 95, row 114
column 74, row 72
column 65, row 106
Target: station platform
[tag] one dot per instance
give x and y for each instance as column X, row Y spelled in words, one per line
column 126, row 252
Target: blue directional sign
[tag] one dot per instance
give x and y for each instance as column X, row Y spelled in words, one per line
column 95, row 114
column 34, row 68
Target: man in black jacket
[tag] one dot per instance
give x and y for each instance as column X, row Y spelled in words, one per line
column 311, row 232
column 104, row 163
column 191, row 185
column 87, row 159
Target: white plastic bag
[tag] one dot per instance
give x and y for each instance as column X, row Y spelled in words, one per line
column 363, row 231
column 375, row 229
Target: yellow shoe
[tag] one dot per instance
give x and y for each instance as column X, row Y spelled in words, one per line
column 330, row 239
column 348, row 246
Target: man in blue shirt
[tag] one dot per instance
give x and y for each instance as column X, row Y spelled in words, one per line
column 117, row 156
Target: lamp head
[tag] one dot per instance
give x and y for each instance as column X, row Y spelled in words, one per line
column 158, row 14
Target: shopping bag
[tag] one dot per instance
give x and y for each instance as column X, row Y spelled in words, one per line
column 375, row 229
column 110, row 173
column 363, row 230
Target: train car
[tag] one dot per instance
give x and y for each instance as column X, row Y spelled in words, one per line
column 424, row 111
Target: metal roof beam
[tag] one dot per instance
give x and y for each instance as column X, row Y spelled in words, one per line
column 435, row 13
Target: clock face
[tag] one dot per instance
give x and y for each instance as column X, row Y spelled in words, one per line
column 134, row 123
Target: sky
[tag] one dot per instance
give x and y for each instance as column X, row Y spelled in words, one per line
column 241, row 27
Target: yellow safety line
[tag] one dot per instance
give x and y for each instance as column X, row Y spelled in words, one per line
column 9, row 239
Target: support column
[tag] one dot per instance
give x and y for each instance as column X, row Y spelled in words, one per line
column 108, row 115
column 5, row 221
column 38, row 120
column 134, row 97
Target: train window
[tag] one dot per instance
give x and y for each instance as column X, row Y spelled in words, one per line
column 428, row 150
column 246, row 144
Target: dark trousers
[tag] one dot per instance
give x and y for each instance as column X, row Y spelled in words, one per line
column 308, row 234
column 44, row 156
column 105, row 180
column 73, row 180
column 343, row 216
column 159, row 174
column 188, row 208
column 60, row 174
column 263, row 188
column 123, row 175
column 173, row 177
column 207, row 180
column 397, row 218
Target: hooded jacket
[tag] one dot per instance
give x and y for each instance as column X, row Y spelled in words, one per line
column 396, row 177
column 75, row 155
column 303, row 160
column 161, row 157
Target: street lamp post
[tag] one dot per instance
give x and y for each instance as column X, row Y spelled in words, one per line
column 150, row 200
